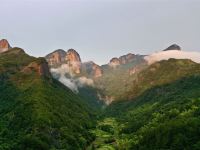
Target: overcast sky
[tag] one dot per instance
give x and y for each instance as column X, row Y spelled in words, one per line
column 100, row 29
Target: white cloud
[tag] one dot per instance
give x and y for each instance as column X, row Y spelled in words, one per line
column 69, row 83
column 65, row 76
column 84, row 81
column 165, row 55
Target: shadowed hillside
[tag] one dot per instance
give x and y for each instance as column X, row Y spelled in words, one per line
column 164, row 115
column 36, row 111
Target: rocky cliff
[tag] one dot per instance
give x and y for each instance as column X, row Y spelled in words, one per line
column 114, row 62
column 59, row 57
column 4, row 45
column 56, row 58
column 126, row 58
column 40, row 67
column 74, row 60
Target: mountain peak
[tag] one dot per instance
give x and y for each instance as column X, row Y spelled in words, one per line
column 4, row 45
column 173, row 47
column 56, row 58
column 126, row 58
column 122, row 60
column 114, row 62
column 73, row 55
column 74, row 60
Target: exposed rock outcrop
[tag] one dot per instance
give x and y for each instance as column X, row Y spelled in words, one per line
column 74, row 60
column 56, row 58
column 173, row 47
column 40, row 67
column 59, row 57
column 126, row 58
column 114, row 62
column 73, row 56
column 4, row 45
column 97, row 71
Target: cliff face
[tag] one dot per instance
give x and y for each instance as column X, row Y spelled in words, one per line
column 56, row 58
column 74, row 60
column 126, row 58
column 4, row 45
column 114, row 62
column 40, row 67
column 59, row 57
column 97, row 71
column 73, row 56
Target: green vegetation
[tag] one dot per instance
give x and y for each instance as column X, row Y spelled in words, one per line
column 159, row 109
column 90, row 96
column 160, row 73
column 106, row 135
column 165, row 115
column 114, row 78
column 37, row 112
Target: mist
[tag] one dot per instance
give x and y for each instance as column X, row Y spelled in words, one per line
column 65, row 75
column 165, row 55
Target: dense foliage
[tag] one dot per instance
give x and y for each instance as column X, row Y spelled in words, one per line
column 159, row 109
column 164, row 116
column 159, row 73
column 37, row 112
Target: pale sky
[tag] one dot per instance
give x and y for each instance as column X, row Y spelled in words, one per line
column 100, row 29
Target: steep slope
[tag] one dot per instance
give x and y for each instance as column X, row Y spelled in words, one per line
column 117, row 78
column 160, row 73
column 173, row 47
column 56, row 58
column 36, row 111
column 162, row 111
column 70, row 58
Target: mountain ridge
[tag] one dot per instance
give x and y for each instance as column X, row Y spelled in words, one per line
column 38, row 112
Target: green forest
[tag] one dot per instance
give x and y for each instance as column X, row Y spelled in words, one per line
column 159, row 111
column 165, row 115
column 38, row 112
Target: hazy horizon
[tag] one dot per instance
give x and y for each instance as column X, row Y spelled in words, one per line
column 100, row 29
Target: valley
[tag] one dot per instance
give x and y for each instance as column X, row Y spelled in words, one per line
column 133, row 102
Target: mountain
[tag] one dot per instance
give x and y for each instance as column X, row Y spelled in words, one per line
column 56, row 58
column 125, row 59
column 105, row 78
column 160, row 73
column 114, row 62
column 59, row 57
column 36, row 111
column 72, row 59
column 4, row 45
column 176, row 54
column 152, row 102
column 173, row 47
column 91, row 69
column 161, row 110
column 120, row 72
